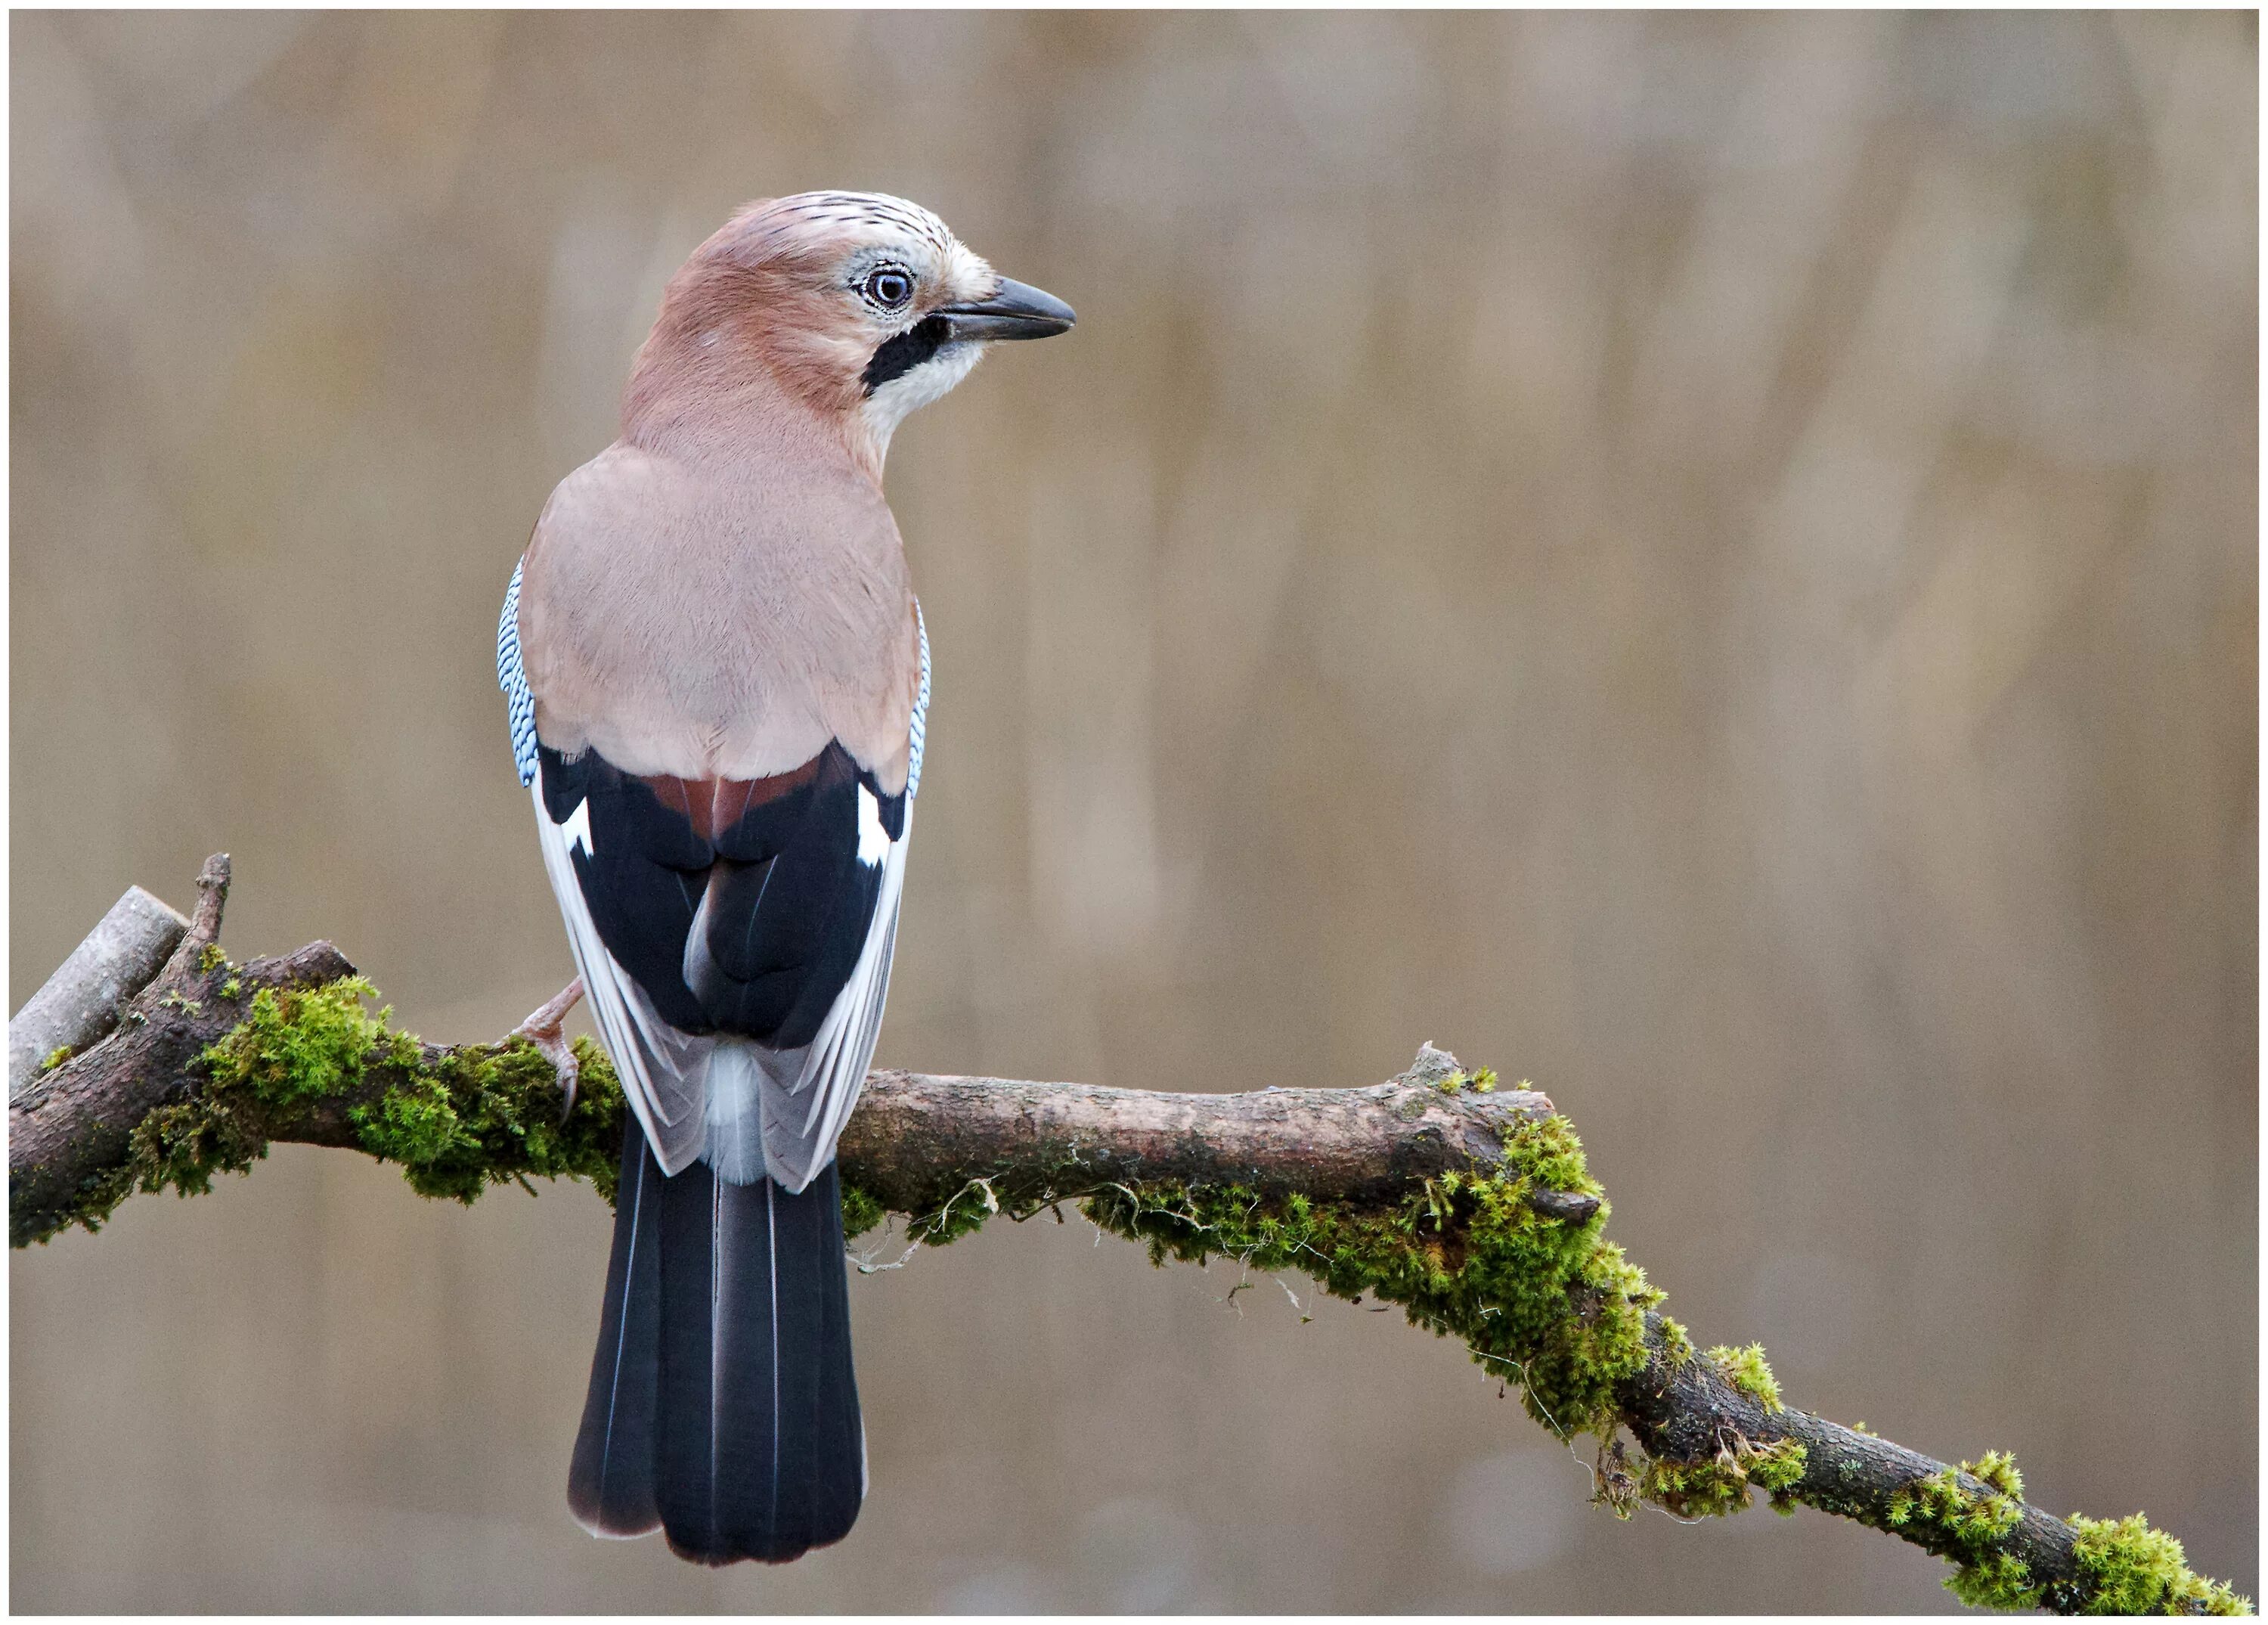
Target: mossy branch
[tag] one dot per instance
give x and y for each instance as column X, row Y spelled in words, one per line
column 1468, row 1205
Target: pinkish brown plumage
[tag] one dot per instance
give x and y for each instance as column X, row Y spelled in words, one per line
column 758, row 308
column 717, row 670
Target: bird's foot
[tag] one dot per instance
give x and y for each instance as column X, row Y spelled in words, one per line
column 544, row 1029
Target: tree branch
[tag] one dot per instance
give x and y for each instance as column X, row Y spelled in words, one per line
column 1469, row 1206
column 79, row 1004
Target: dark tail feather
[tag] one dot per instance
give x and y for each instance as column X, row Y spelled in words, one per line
column 610, row 1485
column 759, row 1452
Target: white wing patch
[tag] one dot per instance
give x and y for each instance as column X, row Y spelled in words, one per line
column 576, row 828
column 664, row 1072
column 874, row 839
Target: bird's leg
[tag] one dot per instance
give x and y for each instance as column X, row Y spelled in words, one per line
column 543, row 1030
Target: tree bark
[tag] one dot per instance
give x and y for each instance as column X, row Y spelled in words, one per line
column 81, row 1001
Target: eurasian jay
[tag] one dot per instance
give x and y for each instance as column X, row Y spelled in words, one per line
column 717, row 676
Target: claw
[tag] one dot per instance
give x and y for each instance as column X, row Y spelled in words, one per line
column 543, row 1030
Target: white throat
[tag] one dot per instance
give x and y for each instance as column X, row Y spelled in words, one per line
column 887, row 407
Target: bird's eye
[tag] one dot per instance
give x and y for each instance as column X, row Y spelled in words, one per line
column 889, row 287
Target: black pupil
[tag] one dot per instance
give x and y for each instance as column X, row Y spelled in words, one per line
column 891, row 287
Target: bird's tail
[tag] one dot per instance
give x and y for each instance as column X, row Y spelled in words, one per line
column 722, row 1407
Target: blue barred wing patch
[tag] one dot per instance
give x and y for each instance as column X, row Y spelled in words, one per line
column 921, row 705
column 512, row 677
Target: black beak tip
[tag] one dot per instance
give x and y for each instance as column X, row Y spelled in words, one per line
column 1016, row 311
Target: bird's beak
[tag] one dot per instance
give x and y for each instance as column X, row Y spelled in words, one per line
column 1015, row 312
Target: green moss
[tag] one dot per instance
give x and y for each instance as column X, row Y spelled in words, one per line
column 457, row 1122
column 1745, row 1369
column 1971, row 1523
column 56, row 1056
column 2133, row 1568
column 1481, row 1082
column 1676, row 1342
column 963, row 1212
column 182, row 1147
column 1970, row 1528
column 1998, row 1468
column 1719, row 1486
column 475, row 1117
column 1997, row 1580
column 298, row 1047
column 2124, row 1565
column 1777, row 1468
column 1551, row 1305
column 489, row 1113
column 861, row 1213
column 211, row 959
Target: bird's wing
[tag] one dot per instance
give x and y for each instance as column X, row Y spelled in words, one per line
column 807, row 1102
column 807, row 1094
column 663, row 1070
column 734, row 936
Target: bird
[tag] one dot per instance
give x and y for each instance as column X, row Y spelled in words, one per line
column 716, row 679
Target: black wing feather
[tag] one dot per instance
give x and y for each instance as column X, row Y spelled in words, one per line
column 788, row 904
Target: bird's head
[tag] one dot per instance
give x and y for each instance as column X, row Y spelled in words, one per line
column 859, row 305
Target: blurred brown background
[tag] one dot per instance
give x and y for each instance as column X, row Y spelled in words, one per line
column 1707, row 561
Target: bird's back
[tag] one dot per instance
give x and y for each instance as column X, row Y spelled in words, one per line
column 719, row 622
